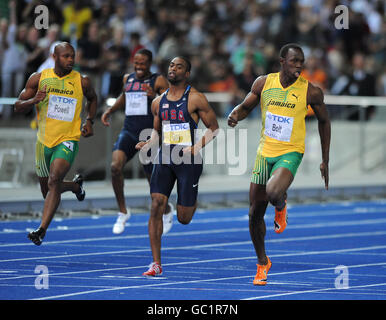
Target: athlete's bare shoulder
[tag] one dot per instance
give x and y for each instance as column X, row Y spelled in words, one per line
column 155, row 104
column 87, row 87
column 85, row 81
column 258, row 84
column 125, row 77
column 197, row 98
column 315, row 95
column 157, row 99
column 196, row 94
column 32, row 84
column 35, row 78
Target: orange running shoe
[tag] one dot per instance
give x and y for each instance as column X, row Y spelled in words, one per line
column 155, row 269
column 281, row 219
column 261, row 275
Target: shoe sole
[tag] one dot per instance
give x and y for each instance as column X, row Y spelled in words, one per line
column 152, row 275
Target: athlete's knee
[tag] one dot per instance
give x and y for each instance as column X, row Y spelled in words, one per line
column 116, row 169
column 274, row 194
column 257, row 210
column 158, row 202
column 54, row 181
column 184, row 219
column 185, row 215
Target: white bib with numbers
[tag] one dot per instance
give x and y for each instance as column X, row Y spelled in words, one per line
column 177, row 133
column 278, row 127
column 136, row 104
column 61, row 108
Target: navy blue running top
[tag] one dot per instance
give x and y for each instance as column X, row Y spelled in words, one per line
column 138, row 104
column 177, row 124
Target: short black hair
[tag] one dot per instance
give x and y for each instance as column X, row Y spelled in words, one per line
column 284, row 50
column 187, row 61
column 146, row 52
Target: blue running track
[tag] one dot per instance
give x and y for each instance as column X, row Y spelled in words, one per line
column 334, row 251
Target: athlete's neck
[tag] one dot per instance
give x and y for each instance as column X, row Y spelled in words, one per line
column 61, row 73
column 145, row 76
column 176, row 91
column 286, row 80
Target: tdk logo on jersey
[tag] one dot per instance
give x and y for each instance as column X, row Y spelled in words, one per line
column 63, row 100
column 179, row 126
column 278, row 118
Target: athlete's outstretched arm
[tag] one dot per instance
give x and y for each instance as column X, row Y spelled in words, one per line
column 315, row 98
column 91, row 106
column 241, row 111
column 30, row 95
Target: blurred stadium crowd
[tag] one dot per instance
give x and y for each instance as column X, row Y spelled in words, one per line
column 229, row 42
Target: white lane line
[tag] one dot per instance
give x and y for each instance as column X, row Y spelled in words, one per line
column 346, row 223
column 134, row 236
column 215, row 245
column 243, row 217
column 212, row 260
column 195, row 281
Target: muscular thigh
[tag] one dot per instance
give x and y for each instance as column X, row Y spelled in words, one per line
column 162, row 179
column 266, row 167
column 126, row 143
column 44, row 156
column 188, row 176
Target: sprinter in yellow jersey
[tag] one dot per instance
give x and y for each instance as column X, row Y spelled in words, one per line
column 284, row 97
column 58, row 95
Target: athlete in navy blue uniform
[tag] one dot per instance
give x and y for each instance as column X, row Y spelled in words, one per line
column 139, row 89
column 176, row 115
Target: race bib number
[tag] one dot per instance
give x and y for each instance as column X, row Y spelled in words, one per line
column 278, row 127
column 136, row 104
column 177, row 133
column 61, row 108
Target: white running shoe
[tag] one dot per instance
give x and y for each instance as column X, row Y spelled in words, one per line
column 168, row 219
column 119, row 225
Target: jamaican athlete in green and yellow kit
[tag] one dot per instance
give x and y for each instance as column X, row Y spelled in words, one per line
column 59, row 119
column 282, row 141
column 284, row 97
